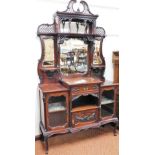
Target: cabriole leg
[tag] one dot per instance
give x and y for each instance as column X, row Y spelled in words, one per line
column 115, row 129
column 46, row 145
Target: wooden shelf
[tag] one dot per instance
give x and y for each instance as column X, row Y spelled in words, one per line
column 85, row 107
column 106, row 101
column 97, row 66
column 56, row 107
column 49, row 68
column 73, row 35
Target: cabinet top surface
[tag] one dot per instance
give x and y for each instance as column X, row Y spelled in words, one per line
column 109, row 83
column 53, row 87
column 81, row 81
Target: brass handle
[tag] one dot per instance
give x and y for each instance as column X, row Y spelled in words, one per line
column 85, row 88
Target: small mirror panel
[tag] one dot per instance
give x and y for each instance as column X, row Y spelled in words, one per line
column 96, row 56
column 48, row 52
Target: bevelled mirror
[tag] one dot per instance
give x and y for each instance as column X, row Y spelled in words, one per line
column 73, row 56
column 48, row 45
column 96, row 56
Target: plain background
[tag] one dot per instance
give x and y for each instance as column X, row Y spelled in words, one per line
column 17, row 79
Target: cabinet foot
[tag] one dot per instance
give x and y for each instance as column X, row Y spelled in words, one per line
column 115, row 129
column 46, row 145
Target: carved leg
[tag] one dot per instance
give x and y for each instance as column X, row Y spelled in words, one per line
column 42, row 137
column 46, row 144
column 102, row 126
column 115, row 129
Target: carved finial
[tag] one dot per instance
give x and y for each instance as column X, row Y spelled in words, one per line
column 70, row 6
column 86, row 7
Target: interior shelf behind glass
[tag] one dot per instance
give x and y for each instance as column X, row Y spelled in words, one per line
column 58, row 106
column 106, row 100
column 107, row 103
column 56, row 103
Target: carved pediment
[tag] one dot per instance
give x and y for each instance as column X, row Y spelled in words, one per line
column 85, row 11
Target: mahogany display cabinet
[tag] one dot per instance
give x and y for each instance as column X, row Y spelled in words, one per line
column 73, row 92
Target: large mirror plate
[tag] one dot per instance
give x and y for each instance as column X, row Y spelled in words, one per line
column 73, row 57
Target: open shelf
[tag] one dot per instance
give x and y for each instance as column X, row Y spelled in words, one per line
column 84, row 102
column 84, row 107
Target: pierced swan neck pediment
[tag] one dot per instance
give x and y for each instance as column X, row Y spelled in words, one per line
column 70, row 8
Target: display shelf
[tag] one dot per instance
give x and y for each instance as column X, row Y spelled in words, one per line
column 84, row 107
column 56, row 107
column 84, row 102
column 105, row 100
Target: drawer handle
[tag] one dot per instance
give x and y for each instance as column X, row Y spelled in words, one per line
column 85, row 88
column 85, row 118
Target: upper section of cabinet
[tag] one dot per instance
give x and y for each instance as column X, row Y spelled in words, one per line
column 73, row 22
column 71, row 46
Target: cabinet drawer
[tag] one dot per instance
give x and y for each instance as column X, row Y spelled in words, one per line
column 82, row 118
column 85, row 89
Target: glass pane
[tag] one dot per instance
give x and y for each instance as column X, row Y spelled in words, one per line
column 107, row 103
column 96, row 56
column 56, row 103
column 57, row 111
column 57, row 119
column 49, row 52
column 73, row 57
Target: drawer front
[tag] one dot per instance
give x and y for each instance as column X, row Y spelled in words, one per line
column 84, row 117
column 85, row 89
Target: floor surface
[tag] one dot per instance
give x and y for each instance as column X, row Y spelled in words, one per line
column 99, row 141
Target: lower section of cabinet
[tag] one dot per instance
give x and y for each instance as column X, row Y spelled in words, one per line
column 77, row 119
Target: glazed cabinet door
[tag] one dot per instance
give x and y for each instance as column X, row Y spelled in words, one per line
column 57, row 111
column 108, row 102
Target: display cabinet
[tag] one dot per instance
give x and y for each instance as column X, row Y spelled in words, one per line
column 72, row 90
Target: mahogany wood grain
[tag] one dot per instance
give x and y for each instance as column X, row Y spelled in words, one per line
column 81, row 81
column 52, row 87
